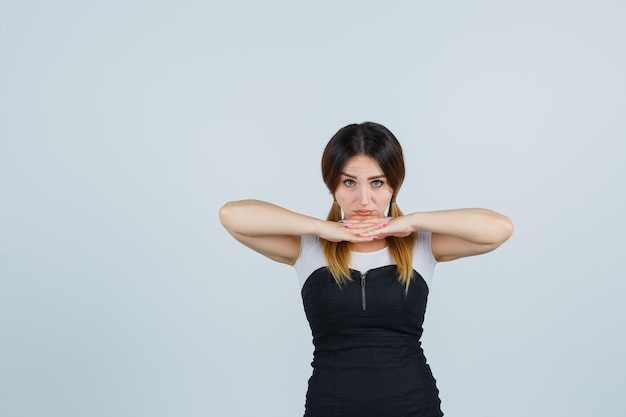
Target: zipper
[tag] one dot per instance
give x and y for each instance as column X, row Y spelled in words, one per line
column 363, row 303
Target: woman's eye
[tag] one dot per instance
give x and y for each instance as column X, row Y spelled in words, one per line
column 377, row 183
column 349, row 183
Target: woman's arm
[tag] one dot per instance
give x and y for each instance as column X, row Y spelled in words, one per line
column 464, row 232
column 274, row 231
column 455, row 233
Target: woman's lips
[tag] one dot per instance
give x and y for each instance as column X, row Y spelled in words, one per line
column 363, row 213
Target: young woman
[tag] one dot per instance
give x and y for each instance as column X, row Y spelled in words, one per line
column 364, row 273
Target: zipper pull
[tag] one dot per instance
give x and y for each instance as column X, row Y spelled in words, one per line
column 363, row 304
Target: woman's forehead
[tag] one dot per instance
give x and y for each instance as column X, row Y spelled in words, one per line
column 362, row 164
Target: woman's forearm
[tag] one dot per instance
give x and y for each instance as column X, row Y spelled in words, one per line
column 477, row 225
column 260, row 218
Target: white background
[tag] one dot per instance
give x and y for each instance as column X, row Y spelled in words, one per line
column 125, row 125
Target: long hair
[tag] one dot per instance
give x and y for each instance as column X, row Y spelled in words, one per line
column 377, row 142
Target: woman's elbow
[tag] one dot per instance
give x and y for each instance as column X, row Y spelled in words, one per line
column 506, row 228
column 227, row 213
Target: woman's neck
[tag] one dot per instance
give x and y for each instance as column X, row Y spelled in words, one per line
column 372, row 246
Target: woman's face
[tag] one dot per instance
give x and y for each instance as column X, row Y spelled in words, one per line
column 363, row 191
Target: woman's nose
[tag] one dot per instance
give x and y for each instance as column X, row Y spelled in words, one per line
column 365, row 196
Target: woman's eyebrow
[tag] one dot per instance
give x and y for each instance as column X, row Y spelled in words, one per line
column 375, row 177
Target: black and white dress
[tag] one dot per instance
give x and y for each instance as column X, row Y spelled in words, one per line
column 368, row 360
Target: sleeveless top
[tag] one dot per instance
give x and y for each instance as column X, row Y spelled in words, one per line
column 368, row 360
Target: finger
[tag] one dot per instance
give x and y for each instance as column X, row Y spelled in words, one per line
column 360, row 239
column 359, row 226
column 378, row 231
column 366, row 226
column 366, row 221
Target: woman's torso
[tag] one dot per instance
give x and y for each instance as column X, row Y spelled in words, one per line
column 368, row 359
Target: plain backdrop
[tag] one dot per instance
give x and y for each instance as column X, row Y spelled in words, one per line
column 125, row 125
